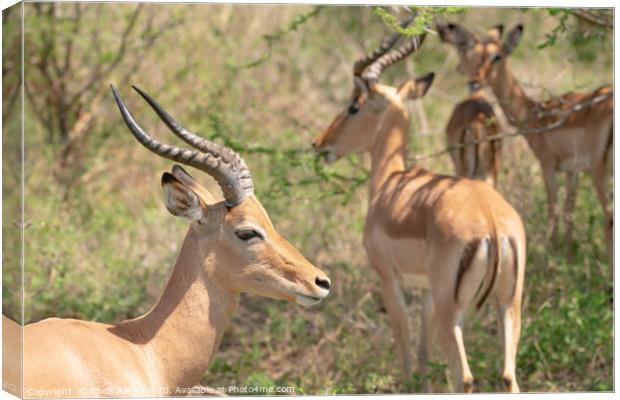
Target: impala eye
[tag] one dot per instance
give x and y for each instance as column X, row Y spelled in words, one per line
column 354, row 108
column 248, row 234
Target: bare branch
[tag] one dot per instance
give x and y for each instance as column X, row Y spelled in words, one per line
column 120, row 53
column 70, row 38
column 42, row 112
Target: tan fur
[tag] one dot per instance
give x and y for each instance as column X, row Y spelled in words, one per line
column 169, row 348
column 471, row 120
column 11, row 356
column 437, row 216
column 582, row 143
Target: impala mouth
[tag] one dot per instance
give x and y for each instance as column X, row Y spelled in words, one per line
column 328, row 155
column 307, row 301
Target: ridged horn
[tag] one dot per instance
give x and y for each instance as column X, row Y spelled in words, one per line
column 236, row 163
column 388, row 42
column 224, row 165
column 374, row 71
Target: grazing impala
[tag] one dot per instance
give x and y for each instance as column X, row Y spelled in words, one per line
column 230, row 247
column 455, row 236
column 473, row 120
column 583, row 139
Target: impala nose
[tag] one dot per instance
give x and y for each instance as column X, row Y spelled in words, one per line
column 322, row 283
column 474, row 85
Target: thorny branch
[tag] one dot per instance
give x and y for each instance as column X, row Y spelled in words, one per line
column 564, row 115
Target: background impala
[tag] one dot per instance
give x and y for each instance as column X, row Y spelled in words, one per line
column 471, row 124
column 456, row 239
column 89, row 215
column 581, row 140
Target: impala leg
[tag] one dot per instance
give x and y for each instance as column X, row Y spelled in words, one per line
column 600, row 179
column 397, row 311
column 448, row 310
column 426, row 339
column 511, row 321
column 508, row 293
column 450, row 333
column 551, row 186
column 500, row 322
column 488, row 164
column 490, row 172
column 470, row 154
column 572, row 182
column 496, row 147
column 455, row 160
column 458, row 162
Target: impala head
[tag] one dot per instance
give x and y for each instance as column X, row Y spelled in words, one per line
column 247, row 254
column 371, row 104
column 480, row 56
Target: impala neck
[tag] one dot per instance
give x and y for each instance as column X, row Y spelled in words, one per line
column 184, row 328
column 389, row 150
column 519, row 108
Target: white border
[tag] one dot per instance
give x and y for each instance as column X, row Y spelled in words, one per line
column 484, row 3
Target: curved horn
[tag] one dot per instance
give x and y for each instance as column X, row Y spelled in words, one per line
column 224, row 165
column 374, row 71
column 386, row 45
column 234, row 161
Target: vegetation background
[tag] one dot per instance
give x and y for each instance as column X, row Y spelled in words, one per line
column 265, row 80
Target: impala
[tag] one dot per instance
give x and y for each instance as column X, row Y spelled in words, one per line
column 456, row 238
column 230, row 247
column 583, row 139
column 473, row 120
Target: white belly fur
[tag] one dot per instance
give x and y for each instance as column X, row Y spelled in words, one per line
column 405, row 255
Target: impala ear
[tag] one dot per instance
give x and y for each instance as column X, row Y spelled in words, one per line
column 189, row 181
column 512, row 40
column 416, row 88
column 456, row 35
column 180, row 200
